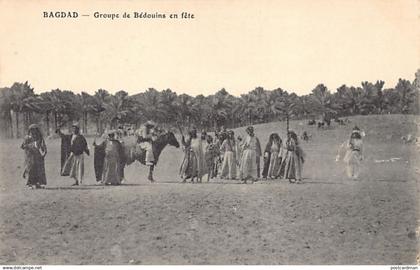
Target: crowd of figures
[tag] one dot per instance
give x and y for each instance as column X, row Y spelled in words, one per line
column 224, row 156
column 239, row 158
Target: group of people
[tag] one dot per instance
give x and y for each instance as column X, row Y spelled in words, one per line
column 109, row 161
column 223, row 156
column 229, row 158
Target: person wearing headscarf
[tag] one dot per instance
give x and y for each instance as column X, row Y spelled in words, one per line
column 145, row 139
column 75, row 164
column 198, row 148
column 211, row 154
column 189, row 165
column 35, row 152
column 228, row 148
column 249, row 168
column 239, row 143
column 353, row 153
column 203, row 137
column 272, row 156
column 113, row 159
column 292, row 164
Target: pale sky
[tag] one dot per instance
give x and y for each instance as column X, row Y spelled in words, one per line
column 236, row 45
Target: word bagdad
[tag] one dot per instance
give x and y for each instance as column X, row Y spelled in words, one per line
column 60, row 14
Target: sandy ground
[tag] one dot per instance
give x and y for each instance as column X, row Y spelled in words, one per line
column 326, row 220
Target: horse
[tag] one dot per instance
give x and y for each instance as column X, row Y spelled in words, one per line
column 132, row 152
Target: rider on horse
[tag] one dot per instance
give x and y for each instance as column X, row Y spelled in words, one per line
column 145, row 137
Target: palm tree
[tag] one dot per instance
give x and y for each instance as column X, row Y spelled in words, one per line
column 220, row 104
column 168, row 106
column 19, row 97
column 322, row 100
column 118, row 108
column 98, row 106
column 406, row 93
column 287, row 106
column 184, row 106
column 6, row 110
column 60, row 103
column 86, row 103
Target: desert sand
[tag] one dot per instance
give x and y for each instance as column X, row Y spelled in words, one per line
column 328, row 219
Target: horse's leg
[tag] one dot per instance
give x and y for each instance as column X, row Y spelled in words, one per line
column 151, row 168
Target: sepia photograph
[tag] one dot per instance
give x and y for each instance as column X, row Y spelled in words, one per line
column 209, row 132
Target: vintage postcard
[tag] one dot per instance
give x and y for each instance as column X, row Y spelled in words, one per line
column 203, row 132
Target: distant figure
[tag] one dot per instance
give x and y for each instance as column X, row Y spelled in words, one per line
column 292, row 164
column 353, row 150
column 74, row 165
column 113, row 161
column 228, row 148
column 305, row 136
column 35, row 152
column 311, row 122
column 211, row 154
column 249, row 169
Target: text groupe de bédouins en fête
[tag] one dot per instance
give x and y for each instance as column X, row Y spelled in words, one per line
column 113, row 16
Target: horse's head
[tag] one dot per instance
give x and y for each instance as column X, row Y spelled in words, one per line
column 172, row 139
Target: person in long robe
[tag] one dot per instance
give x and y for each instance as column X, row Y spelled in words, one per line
column 211, row 154
column 74, row 165
column 228, row 148
column 198, row 149
column 353, row 156
column 65, row 149
column 203, row 137
column 113, row 160
column 35, row 152
column 292, row 164
column 267, row 156
column 189, row 165
column 239, row 150
column 272, row 156
column 249, row 169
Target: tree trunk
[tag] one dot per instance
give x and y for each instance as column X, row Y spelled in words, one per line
column 55, row 120
column 10, row 123
column 47, row 120
column 17, row 124
column 97, row 125
column 287, row 123
column 84, row 122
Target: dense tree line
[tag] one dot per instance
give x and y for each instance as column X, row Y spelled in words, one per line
column 20, row 106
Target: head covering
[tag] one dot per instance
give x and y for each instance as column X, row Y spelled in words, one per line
column 33, row 126
column 150, row 123
column 250, row 129
column 293, row 135
column 112, row 131
column 75, row 124
column 356, row 130
column 35, row 130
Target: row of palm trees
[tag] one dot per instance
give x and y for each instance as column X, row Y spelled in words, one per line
column 57, row 108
